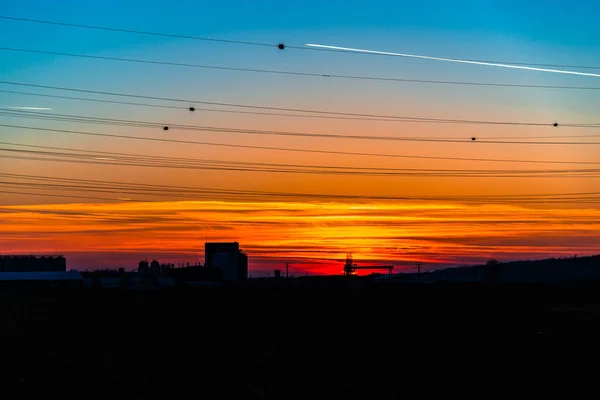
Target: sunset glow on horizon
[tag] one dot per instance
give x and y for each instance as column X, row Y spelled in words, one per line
column 312, row 237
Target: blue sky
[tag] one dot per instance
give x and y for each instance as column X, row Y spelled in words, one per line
column 531, row 31
column 556, row 23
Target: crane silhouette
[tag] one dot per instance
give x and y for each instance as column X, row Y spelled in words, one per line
column 350, row 267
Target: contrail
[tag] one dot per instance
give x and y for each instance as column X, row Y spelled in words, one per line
column 32, row 108
column 490, row 64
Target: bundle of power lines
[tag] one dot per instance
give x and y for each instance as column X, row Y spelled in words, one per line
column 16, row 183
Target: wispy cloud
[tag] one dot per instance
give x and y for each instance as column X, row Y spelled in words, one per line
column 315, row 233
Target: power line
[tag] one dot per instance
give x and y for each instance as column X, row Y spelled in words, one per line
column 164, row 187
column 285, row 168
column 145, row 187
column 299, row 73
column 164, row 126
column 263, row 113
column 62, row 195
column 175, row 64
column 306, row 111
column 54, row 96
column 465, row 174
column 197, row 108
column 263, row 44
column 246, row 196
column 286, row 115
column 115, row 121
column 189, row 189
column 138, row 32
column 189, row 142
column 57, row 183
column 183, row 159
column 169, row 126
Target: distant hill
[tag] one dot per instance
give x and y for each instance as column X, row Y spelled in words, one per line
column 551, row 270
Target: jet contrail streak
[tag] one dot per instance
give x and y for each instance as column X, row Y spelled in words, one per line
column 385, row 53
column 32, row 108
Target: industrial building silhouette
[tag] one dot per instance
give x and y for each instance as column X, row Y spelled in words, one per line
column 228, row 259
column 30, row 263
column 224, row 263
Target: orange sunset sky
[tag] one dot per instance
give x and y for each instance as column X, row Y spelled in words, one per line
column 107, row 193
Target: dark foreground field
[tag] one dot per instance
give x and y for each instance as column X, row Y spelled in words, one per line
column 302, row 343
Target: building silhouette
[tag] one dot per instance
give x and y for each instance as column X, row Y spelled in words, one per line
column 24, row 263
column 228, row 259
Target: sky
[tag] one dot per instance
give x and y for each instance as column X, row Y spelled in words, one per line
column 98, row 209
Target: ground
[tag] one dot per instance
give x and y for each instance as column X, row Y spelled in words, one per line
column 370, row 342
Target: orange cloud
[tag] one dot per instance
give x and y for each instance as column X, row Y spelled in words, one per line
column 312, row 236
